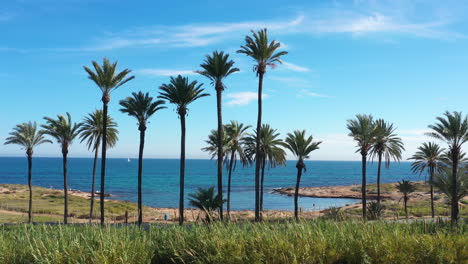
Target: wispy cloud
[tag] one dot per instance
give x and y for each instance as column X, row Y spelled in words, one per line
column 165, row 72
column 292, row 81
column 242, row 98
column 189, row 35
column 307, row 93
column 295, row 67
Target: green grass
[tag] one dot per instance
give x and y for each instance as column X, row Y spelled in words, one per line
column 50, row 202
column 278, row 242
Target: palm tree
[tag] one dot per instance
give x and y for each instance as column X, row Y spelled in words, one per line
column 443, row 181
column 181, row 93
column 233, row 149
column 453, row 129
column 107, row 80
column 362, row 130
column 428, row 158
column 264, row 53
column 405, row 187
column 207, row 201
column 236, row 135
column 91, row 132
column 216, row 68
column 271, row 153
column 27, row 136
column 387, row 145
column 300, row 146
column 64, row 132
column 142, row 107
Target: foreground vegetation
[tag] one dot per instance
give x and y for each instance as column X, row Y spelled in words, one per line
column 279, row 242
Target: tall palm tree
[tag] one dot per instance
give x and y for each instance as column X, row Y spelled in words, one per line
column 271, row 153
column 107, row 79
column 405, row 187
column 300, row 146
column 428, row 158
column 142, row 107
column 233, row 148
column 453, row 129
column 264, row 53
column 91, row 132
column 387, row 145
column 362, row 130
column 64, row 131
column 216, row 68
column 27, row 136
column 181, row 93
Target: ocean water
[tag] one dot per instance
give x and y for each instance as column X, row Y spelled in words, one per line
column 161, row 179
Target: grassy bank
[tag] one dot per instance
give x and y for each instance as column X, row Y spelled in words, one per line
column 281, row 242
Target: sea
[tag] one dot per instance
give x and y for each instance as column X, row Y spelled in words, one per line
column 161, row 179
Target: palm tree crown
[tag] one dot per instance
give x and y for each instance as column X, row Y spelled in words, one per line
column 236, row 134
column 362, row 129
column 106, row 77
column 212, row 143
column 262, row 51
column 300, row 146
column 270, row 146
column 429, row 155
column 62, row 129
column 141, row 106
column 91, row 130
column 181, row 93
column 453, row 129
column 386, row 142
column 405, row 187
column 217, row 67
column 27, row 136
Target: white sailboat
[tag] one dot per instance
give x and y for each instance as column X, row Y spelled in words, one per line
column 128, row 159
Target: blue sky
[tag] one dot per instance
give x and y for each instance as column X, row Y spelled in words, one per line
column 404, row 61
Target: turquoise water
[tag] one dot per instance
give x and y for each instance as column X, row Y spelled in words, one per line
column 161, row 179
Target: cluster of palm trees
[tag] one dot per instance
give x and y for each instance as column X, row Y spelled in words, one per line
column 237, row 144
column 378, row 139
column 447, row 169
column 99, row 131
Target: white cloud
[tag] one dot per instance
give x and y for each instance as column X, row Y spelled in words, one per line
column 242, row 98
column 295, row 67
column 165, row 72
column 305, row 92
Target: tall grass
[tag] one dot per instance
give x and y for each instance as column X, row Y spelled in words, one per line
column 285, row 242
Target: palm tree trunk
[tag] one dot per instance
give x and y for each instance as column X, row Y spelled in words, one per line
column 257, row 147
column 379, row 167
column 363, row 185
column 140, row 172
column 405, row 200
column 220, row 149
column 93, row 183
column 103, row 156
column 454, row 213
column 65, row 186
column 182, row 169
column 431, row 178
column 231, row 164
column 30, row 187
column 262, row 180
column 296, row 194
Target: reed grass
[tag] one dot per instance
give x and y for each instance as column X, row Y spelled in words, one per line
column 244, row 242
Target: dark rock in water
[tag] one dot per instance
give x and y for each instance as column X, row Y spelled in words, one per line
column 105, row 194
